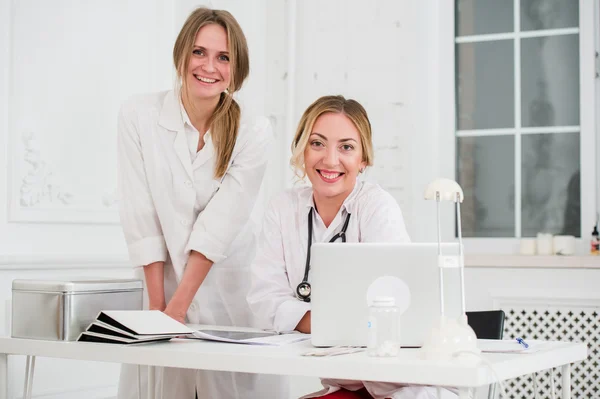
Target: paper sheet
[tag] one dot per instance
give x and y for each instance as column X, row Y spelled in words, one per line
column 250, row 338
column 507, row 346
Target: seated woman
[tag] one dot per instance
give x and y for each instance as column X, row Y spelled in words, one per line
column 332, row 147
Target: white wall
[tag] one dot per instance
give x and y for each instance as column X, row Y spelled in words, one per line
column 66, row 66
column 377, row 53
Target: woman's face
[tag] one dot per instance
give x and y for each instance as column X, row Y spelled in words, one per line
column 333, row 156
column 209, row 70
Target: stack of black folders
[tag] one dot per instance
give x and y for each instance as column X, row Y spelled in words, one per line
column 133, row 327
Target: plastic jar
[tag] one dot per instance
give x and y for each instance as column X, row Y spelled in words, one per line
column 384, row 329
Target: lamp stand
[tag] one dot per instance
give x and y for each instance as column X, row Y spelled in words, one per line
column 450, row 336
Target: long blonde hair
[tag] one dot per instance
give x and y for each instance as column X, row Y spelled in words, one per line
column 336, row 104
column 225, row 121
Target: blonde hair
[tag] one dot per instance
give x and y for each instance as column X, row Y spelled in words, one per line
column 336, row 104
column 225, row 121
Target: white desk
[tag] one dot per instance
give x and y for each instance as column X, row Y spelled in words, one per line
column 466, row 373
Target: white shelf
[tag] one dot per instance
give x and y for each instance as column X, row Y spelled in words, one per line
column 533, row 261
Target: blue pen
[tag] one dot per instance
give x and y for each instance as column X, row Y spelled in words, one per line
column 522, row 342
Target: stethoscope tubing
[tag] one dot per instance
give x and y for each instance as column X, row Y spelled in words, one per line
column 304, row 284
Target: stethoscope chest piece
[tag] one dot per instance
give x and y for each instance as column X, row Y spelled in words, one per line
column 303, row 291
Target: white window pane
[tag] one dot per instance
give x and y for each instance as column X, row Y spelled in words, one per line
column 550, row 189
column 486, row 167
column 485, row 85
column 550, row 81
column 476, row 17
column 549, row 14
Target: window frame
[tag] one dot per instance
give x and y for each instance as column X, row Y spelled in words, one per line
column 589, row 131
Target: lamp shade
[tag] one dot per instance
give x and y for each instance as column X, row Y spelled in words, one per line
column 447, row 189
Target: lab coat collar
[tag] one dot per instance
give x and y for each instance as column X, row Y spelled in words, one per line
column 170, row 115
column 172, row 119
column 347, row 204
column 186, row 120
column 207, row 152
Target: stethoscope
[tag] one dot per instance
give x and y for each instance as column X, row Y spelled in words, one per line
column 303, row 289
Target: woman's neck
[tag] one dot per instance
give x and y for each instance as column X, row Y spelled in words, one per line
column 327, row 208
column 200, row 112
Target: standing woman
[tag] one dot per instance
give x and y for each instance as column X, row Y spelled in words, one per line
column 190, row 169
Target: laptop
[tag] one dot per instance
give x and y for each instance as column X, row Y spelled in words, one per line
column 346, row 278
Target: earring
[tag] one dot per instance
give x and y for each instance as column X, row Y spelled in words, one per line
column 362, row 170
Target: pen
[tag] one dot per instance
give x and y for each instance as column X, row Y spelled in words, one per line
column 522, row 342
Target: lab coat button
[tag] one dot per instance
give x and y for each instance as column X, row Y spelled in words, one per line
column 193, row 307
column 185, row 222
column 188, row 184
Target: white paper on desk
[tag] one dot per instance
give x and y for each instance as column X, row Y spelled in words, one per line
column 507, row 346
column 249, row 337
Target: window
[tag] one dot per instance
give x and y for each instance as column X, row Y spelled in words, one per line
column 524, row 116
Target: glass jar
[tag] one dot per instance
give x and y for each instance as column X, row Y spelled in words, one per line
column 384, row 329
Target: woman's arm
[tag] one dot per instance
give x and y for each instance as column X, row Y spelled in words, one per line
column 271, row 297
column 195, row 272
column 304, row 324
column 139, row 220
column 155, row 285
column 224, row 216
column 230, row 208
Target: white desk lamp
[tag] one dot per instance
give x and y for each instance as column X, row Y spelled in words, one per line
column 451, row 336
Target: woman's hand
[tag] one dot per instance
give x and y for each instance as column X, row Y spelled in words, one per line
column 175, row 313
column 158, row 306
column 304, row 324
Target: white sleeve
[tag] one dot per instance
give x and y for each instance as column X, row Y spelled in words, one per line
column 271, row 298
column 230, row 208
column 381, row 219
column 139, row 220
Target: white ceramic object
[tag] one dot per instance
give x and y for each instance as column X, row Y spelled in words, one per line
column 564, row 245
column 527, row 246
column 544, row 244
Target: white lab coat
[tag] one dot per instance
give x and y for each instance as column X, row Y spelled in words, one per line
column 169, row 206
column 281, row 258
column 279, row 264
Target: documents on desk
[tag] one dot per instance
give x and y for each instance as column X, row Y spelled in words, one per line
column 508, row 346
column 133, row 327
column 257, row 337
column 145, row 326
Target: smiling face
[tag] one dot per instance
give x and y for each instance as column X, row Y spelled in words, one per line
column 333, row 156
column 209, row 70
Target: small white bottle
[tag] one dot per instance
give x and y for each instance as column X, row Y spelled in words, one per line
column 384, row 331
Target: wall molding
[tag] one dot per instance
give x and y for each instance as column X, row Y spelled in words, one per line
column 63, row 262
column 39, row 184
column 38, row 195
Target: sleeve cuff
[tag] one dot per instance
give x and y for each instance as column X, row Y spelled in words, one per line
column 289, row 314
column 147, row 250
column 202, row 242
